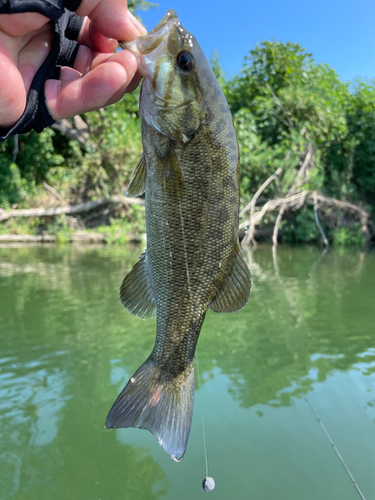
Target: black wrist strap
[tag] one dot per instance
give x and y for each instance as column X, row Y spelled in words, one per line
column 64, row 49
column 53, row 9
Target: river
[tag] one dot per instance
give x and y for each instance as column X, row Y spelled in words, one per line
column 303, row 348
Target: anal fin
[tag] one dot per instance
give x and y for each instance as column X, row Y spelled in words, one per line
column 136, row 292
column 235, row 290
column 137, row 184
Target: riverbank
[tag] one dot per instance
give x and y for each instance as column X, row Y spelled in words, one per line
column 118, row 219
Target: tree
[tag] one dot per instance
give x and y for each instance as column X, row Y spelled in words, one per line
column 291, row 115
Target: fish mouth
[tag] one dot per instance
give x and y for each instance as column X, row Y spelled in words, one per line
column 171, row 15
column 144, row 45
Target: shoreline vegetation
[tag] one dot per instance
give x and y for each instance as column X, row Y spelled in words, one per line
column 307, row 146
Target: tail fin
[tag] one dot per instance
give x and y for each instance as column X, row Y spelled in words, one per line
column 161, row 404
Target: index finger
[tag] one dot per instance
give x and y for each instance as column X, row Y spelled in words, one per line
column 112, row 18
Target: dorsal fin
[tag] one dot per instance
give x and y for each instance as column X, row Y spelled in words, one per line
column 137, row 184
column 235, row 290
column 136, row 292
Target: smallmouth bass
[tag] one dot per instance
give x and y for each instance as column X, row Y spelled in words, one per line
column 190, row 173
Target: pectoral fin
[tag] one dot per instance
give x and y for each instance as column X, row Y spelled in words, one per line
column 136, row 293
column 137, row 183
column 170, row 176
column 235, row 290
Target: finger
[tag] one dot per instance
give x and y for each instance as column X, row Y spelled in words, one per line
column 112, row 19
column 87, row 59
column 12, row 92
column 33, row 54
column 134, row 83
column 69, row 74
column 129, row 87
column 21, row 24
column 94, row 90
column 91, row 37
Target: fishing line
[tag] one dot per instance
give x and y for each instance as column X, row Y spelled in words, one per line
column 203, row 427
column 208, row 482
column 335, row 449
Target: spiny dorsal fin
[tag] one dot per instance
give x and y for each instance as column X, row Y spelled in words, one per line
column 235, row 290
column 137, row 183
column 171, row 176
column 136, row 293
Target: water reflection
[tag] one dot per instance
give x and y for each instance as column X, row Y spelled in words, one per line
column 296, row 325
column 67, row 347
column 49, row 419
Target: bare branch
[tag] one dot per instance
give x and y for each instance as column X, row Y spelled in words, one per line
column 296, row 184
column 277, row 224
column 290, row 123
column 297, row 200
column 362, row 214
column 250, row 234
column 80, row 131
column 260, row 190
column 15, row 148
column 52, row 190
column 316, row 206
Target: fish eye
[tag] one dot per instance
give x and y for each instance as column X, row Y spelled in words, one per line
column 185, row 61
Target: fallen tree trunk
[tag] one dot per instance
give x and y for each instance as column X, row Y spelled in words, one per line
column 77, row 237
column 68, row 209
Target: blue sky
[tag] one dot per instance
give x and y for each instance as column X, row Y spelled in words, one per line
column 338, row 32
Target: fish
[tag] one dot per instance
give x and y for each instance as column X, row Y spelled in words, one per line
column 190, row 173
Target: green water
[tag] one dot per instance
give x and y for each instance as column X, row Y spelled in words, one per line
column 67, row 347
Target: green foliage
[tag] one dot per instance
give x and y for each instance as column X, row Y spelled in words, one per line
column 282, row 102
column 270, row 65
column 114, row 149
column 349, row 236
column 135, row 5
column 302, row 228
column 279, row 94
column 128, row 227
column 360, row 144
column 59, row 227
column 20, row 225
column 104, row 168
column 36, row 156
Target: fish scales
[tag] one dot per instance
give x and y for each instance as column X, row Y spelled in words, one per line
column 190, row 174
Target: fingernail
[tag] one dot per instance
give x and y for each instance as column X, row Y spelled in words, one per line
column 142, row 30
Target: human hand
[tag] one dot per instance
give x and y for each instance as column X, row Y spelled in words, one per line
column 98, row 78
